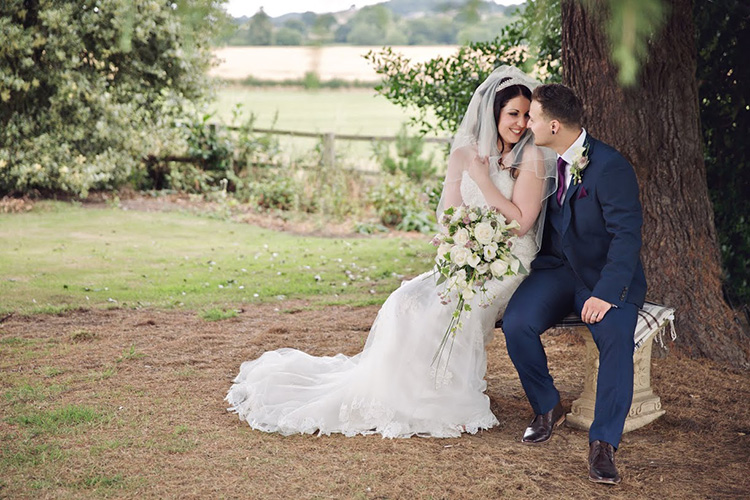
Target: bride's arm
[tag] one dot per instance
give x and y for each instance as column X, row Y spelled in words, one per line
column 451, row 196
column 526, row 201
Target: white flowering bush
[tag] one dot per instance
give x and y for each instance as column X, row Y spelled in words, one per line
column 474, row 246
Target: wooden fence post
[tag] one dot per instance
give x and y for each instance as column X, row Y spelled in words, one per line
column 329, row 150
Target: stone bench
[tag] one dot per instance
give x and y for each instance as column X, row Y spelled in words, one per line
column 653, row 321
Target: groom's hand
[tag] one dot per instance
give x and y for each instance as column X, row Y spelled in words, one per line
column 594, row 310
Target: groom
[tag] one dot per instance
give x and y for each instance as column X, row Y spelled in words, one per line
column 588, row 263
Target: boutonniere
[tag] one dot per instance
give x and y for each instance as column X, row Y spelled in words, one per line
column 580, row 161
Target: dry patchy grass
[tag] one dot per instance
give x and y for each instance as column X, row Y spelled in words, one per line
column 134, row 408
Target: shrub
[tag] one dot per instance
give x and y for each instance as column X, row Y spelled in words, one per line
column 408, row 158
column 87, row 91
column 399, row 203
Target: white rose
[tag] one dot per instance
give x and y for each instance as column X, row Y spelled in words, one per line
column 459, row 255
column 461, row 237
column 483, row 232
column 483, row 268
column 473, row 260
column 499, row 268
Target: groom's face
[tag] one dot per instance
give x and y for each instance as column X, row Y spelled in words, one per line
column 539, row 125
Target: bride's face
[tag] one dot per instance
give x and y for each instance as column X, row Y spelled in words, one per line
column 514, row 117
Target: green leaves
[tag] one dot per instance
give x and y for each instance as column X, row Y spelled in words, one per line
column 441, row 88
column 631, row 24
column 87, row 90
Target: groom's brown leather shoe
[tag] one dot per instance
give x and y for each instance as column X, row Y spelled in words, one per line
column 602, row 463
column 540, row 429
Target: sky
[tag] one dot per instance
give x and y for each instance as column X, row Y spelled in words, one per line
column 275, row 8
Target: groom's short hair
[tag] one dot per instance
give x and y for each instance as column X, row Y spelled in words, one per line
column 560, row 103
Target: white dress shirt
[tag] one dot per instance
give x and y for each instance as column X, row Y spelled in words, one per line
column 568, row 157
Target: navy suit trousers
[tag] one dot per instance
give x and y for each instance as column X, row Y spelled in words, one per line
column 544, row 298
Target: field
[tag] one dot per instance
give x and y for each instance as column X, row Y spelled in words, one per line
column 357, row 111
column 332, row 62
column 349, row 111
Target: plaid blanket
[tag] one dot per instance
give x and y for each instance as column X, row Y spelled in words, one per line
column 653, row 319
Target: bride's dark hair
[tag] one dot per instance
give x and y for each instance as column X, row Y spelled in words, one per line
column 501, row 99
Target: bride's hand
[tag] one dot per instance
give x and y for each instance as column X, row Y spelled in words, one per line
column 479, row 169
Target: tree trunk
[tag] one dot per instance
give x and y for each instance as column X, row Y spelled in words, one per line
column 656, row 126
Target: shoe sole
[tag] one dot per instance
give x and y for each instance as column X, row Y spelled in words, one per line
column 605, row 481
column 554, row 426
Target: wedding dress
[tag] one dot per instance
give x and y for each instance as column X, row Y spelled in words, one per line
column 392, row 387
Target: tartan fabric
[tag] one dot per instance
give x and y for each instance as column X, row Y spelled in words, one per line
column 653, row 319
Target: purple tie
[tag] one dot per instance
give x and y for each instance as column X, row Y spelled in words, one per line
column 560, row 179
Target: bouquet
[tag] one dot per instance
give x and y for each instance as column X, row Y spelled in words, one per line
column 474, row 247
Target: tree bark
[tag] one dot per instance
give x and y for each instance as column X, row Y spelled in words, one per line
column 656, row 126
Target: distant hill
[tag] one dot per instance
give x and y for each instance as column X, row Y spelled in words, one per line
column 405, row 8
column 395, row 22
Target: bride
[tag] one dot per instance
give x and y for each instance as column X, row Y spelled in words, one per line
column 392, row 387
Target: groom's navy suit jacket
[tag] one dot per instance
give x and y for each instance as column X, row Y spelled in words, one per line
column 601, row 229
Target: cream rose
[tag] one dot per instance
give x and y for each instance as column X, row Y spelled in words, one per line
column 499, row 268
column 484, row 233
column 459, row 255
column 461, row 237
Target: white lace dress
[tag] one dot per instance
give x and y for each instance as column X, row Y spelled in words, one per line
column 391, row 387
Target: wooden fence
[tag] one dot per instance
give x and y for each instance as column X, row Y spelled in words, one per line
column 329, row 141
column 328, row 138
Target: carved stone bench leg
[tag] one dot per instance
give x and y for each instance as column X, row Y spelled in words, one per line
column 646, row 405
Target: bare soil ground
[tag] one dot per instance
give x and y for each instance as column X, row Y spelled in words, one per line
column 160, row 378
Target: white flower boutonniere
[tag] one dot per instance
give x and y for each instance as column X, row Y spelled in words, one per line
column 580, row 161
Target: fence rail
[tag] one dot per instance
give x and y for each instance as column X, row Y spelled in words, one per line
column 329, row 143
column 329, row 140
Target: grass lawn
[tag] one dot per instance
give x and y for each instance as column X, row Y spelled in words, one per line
column 350, row 111
column 63, row 256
